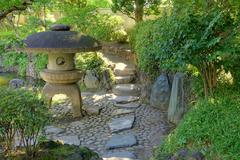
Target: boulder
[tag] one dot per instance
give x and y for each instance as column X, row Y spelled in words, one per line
column 16, row 83
column 160, row 93
column 107, row 81
column 177, row 104
column 91, row 80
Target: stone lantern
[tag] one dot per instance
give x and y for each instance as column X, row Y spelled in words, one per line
column 61, row 44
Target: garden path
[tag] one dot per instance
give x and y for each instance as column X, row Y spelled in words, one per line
column 124, row 129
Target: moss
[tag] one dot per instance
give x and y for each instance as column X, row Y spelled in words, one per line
column 57, row 151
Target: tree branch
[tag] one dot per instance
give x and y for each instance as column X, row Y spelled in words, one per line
column 22, row 7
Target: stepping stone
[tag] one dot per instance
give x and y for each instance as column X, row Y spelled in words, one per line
column 126, row 90
column 122, row 111
column 120, row 124
column 124, row 79
column 123, row 155
column 125, row 99
column 71, row 140
column 124, row 71
column 53, row 130
column 132, row 105
column 120, row 141
column 93, row 110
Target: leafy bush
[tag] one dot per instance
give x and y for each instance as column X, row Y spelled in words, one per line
column 90, row 61
column 93, row 61
column 198, row 38
column 23, row 114
column 88, row 20
column 212, row 126
column 9, row 41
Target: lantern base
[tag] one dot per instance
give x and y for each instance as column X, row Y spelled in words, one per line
column 71, row 90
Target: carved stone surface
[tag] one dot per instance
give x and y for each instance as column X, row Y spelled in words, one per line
column 177, row 105
column 71, row 90
column 61, row 77
column 160, row 93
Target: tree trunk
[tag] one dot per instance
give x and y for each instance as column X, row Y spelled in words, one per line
column 139, row 10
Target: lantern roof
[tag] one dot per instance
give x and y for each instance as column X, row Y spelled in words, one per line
column 60, row 40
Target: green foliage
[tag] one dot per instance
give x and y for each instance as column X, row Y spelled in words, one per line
column 93, row 61
column 90, row 61
column 212, row 126
column 136, row 9
column 23, row 113
column 189, row 36
column 89, row 20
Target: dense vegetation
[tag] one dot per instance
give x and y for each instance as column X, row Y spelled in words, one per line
column 212, row 127
column 23, row 113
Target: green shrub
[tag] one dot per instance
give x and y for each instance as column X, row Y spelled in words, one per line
column 90, row 61
column 102, row 26
column 93, row 61
column 212, row 126
column 23, row 114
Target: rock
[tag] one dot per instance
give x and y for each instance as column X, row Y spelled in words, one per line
column 16, row 83
column 123, row 155
column 69, row 152
column 125, row 99
column 122, row 111
column 177, row 104
column 183, row 153
column 71, row 140
column 93, row 110
column 146, row 86
column 91, row 80
column 160, row 93
column 120, row 124
column 49, row 130
column 126, row 90
column 107, row 81
column 132, row 105
column 119, row 141
column 198, row 156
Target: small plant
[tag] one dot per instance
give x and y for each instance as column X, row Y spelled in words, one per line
column 23, row 114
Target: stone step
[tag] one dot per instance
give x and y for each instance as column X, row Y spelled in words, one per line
column 122, row 112
column 124, row 99
column 131, row 105
column 121, row 141
column 124, row 72
column 121, row 124
column 124, row 79
column 121, row 155
column 126, row 90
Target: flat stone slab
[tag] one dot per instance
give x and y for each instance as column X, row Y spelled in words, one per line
column 123, row 155
column 132, row 105
column 53, row 130
column 126, row 90
column 122, row 111
column 120, row 124
column 125, row 99
column 93, row 110
column 120, row 141
column 124, row 79
column 72, row 139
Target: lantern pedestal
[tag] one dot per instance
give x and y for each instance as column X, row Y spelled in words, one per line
column 71, row 90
